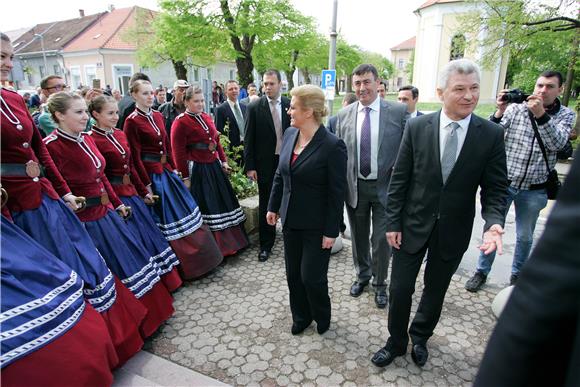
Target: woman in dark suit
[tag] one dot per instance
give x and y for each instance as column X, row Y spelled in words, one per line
column 308, row 195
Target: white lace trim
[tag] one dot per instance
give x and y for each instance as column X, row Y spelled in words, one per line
column 32, row 345
column 40, row 301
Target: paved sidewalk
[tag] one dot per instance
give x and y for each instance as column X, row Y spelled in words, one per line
column 234, row 326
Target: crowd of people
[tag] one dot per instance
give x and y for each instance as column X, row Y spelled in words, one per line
column 135, row 196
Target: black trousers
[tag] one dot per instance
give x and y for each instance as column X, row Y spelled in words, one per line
column 266, row 173
column 405, row 268
column 307, row 275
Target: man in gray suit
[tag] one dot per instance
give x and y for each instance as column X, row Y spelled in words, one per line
column 372, row 130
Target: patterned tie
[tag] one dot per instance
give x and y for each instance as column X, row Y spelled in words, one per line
column 365, row 145
column 450, row 151
column 239, row 119
column 277, row 124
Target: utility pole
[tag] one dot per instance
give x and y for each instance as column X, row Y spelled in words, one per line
column 41, row 36
column 332, row 50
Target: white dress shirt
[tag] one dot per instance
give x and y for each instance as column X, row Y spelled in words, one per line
column 374, row 116
column 444, row 130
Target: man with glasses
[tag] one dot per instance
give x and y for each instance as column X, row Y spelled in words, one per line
column 176, row 106
column 49, row 85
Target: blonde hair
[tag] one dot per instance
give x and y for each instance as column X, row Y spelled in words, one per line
column 61, row 102
column 135, row 85
column 311, row 97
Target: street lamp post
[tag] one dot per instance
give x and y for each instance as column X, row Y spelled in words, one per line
column 332, row 50
column 41, row 36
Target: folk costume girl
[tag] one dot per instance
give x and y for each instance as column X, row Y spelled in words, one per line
column 176, row 213
column 50, row 335
column 120, row 171
column 34, row 185
column 83, row 166
column 202, row 162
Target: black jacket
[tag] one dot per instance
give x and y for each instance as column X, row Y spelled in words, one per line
column 223, row 115
column 309, row 194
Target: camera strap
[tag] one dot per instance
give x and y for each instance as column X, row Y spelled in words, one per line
column 540, row 142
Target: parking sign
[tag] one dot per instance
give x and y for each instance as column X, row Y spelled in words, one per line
column 328, row 83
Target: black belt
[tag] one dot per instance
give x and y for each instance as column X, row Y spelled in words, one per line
column 120, row 180
column 153, row 157
column 97, row 201
column 20, row 170
column 202, row 145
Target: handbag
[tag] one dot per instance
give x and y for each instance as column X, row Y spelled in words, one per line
column 553, row 183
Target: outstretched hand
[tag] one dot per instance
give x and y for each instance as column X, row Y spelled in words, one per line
column 492, row 240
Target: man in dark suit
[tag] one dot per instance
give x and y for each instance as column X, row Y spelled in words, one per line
column 536, row 341
column 372, row 131
column 127, row 103
column 232, row 112
column 444, row 158
column 266, row 121
column 409, row 95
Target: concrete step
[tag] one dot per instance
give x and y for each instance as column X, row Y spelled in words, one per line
column 146, row 369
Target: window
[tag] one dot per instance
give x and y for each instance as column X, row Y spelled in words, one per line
column 56, row 69
column 401, row 64
column 232, row 74
column 75, row 77
column 90, row 74
column 42, row 71
column 399, row 82
column 458, row 43
column 196, row 74
column 209, row 74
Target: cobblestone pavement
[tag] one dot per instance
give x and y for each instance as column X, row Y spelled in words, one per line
column 234, row 326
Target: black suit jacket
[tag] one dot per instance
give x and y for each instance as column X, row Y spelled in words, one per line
column 536, row 341
column 260, row 136
column 331, row 125
column 126, row 106
column 309, row 194
column 417, row 197
column 223, row 115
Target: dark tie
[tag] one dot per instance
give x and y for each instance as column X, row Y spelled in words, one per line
column 449, row 151
column 365, row 145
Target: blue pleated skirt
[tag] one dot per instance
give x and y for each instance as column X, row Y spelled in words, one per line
column 146, row 232
column 123, row 253
column 56, row 228
column 176, row 213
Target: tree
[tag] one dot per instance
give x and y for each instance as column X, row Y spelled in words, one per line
column 347, row 58
column 535, row 37
column 205, row 31
column 385, row 67
column 409, row 66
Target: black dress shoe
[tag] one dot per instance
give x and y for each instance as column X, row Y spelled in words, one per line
column 381, row 299
column 263, row 256
column 299, row 328
column 357, row 289
column 385, row 356
column 419, row 354
column 322, row 327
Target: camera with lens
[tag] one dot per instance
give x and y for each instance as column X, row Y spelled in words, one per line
column 514, row 96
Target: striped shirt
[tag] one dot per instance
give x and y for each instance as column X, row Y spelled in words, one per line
column 525, row 163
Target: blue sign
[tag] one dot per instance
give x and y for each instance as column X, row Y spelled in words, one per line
column 328, row 83
column 328, row 79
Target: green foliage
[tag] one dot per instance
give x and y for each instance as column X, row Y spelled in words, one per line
column 347, row 57
column 384, row 66
column 243, row 187
column 409, row 66
column 535, row 36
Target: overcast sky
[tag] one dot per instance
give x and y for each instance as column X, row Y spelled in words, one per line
column 375, row 25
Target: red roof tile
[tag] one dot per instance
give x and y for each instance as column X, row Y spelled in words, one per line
column 109, row 32
column 433, row 2
column 408, row 44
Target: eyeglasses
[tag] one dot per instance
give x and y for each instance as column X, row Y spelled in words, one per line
column 57, row 87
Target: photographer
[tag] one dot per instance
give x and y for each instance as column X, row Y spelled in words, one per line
column 526, row 165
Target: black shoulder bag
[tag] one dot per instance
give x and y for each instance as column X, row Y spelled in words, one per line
column 553, row 183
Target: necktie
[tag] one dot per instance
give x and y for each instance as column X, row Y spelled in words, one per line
column 277, row 124
column 365, row 145
column 449, row 151
column 239, row 119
